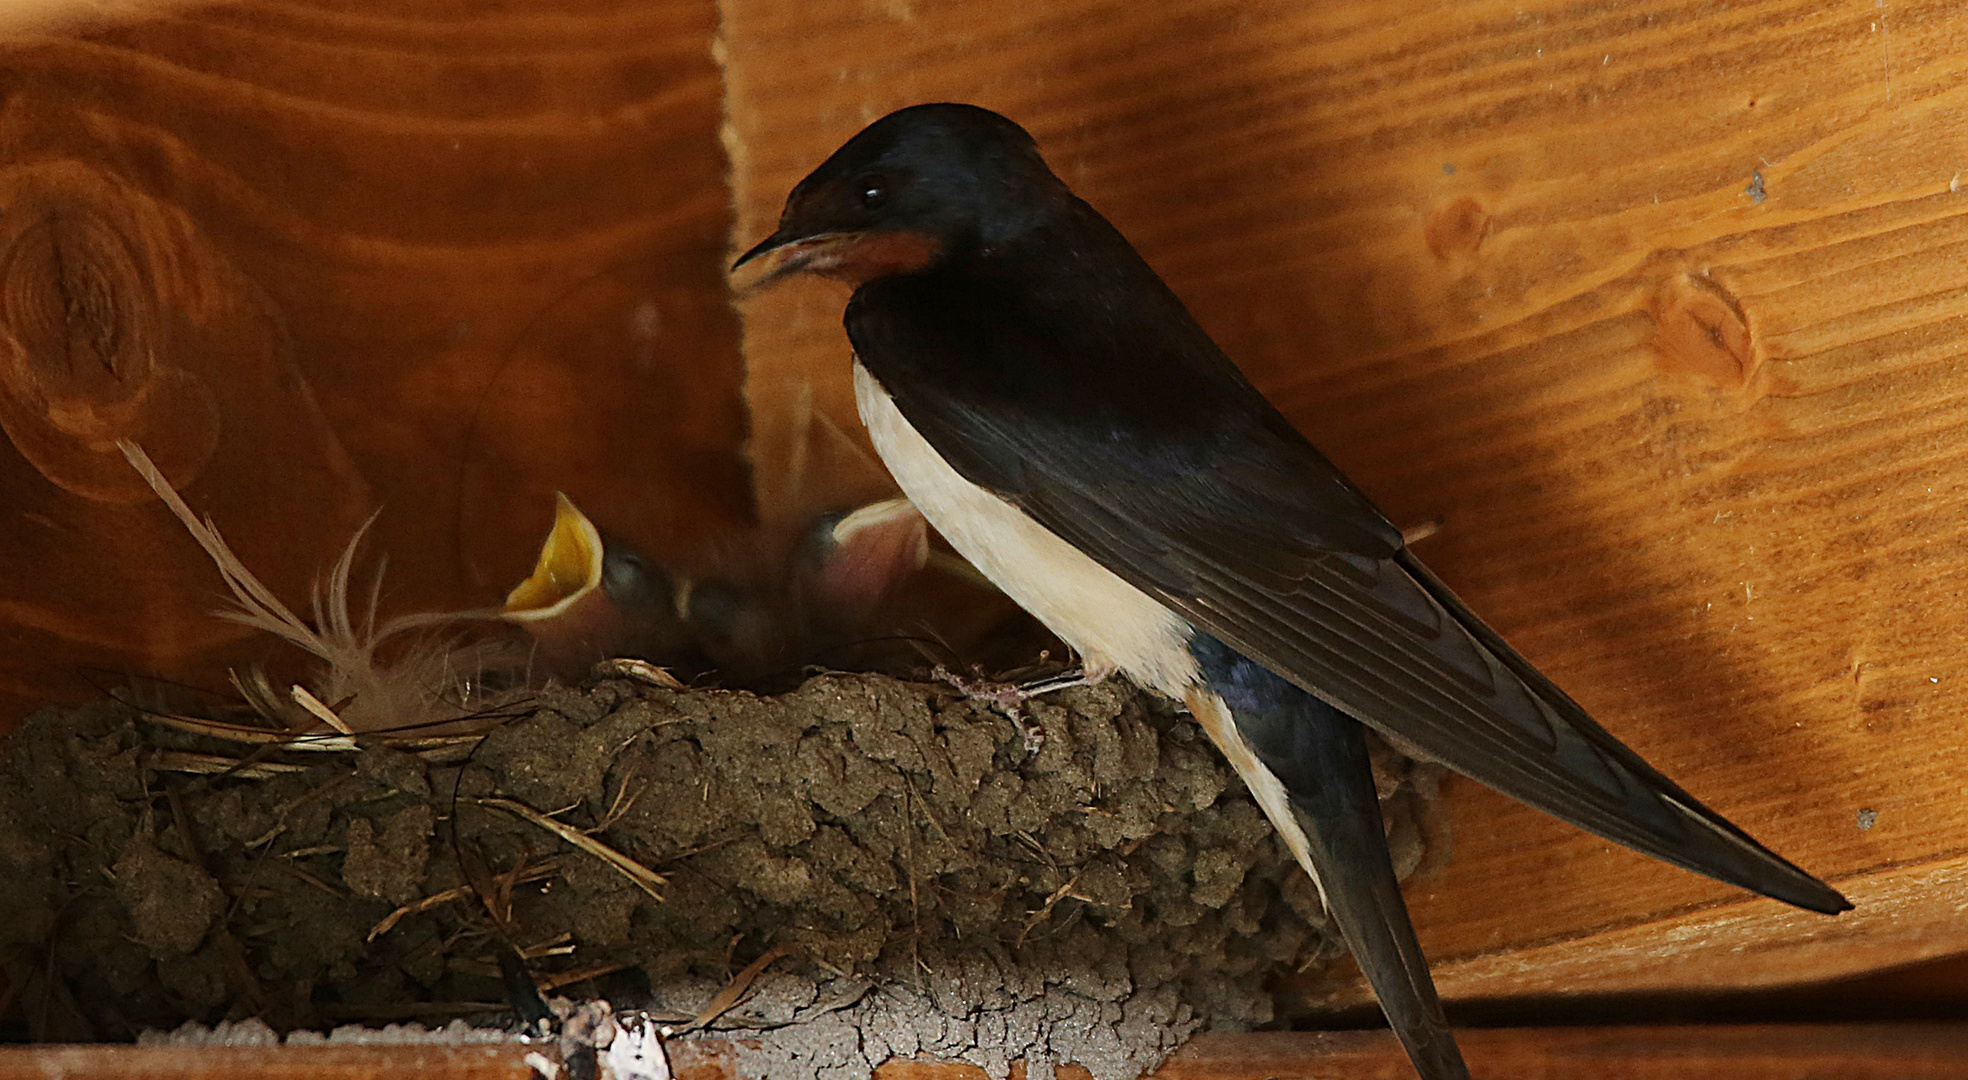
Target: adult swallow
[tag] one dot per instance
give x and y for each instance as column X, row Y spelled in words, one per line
column 1059, row 416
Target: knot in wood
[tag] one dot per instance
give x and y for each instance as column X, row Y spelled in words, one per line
column 1700, row 330
column 1457, row 228
column 98, row 283
column 74, row 303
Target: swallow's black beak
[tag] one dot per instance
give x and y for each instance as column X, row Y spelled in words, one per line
column 771, row 243
column 797, row 251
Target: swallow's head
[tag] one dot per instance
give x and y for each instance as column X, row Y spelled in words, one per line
column 912, row 189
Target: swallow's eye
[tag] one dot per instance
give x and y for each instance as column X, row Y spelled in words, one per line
column 872, row 190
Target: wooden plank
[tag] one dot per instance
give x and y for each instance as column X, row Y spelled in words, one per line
column 1859, row 1052
column 325, row 258
column 1617, row 1053
column 1662, row 305
column 502, row 1061
column 1903, row 914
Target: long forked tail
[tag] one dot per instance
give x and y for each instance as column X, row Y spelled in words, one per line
column 1588, row 777
column 1306, row 764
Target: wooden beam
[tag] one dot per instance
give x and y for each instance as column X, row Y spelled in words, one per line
column 500, row 1061
column 1615, row 1053
column 1858, row 1052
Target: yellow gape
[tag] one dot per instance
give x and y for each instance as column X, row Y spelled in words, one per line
column 569, row 568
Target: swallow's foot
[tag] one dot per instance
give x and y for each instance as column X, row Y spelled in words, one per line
column 1009, row 698
column 1011, row 695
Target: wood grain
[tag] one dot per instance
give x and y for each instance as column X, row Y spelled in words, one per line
column 323, row 259
column 1661, row 304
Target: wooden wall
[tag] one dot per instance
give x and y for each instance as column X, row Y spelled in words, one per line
column 1660, row 304
column 436, row 259
column 1663, row 305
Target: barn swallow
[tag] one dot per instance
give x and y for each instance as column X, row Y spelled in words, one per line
column 1057, row 414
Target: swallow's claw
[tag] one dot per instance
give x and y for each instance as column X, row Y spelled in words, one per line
column 1009, row 698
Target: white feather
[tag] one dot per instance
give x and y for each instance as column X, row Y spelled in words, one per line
column 430, row 682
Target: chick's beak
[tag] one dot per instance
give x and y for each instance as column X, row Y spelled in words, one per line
column 568, row 569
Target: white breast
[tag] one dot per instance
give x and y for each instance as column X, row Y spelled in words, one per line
column 1111, row 624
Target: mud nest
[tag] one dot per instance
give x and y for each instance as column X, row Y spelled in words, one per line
column 920, row 873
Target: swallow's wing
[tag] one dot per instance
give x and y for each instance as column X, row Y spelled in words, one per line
column 1158, row 461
